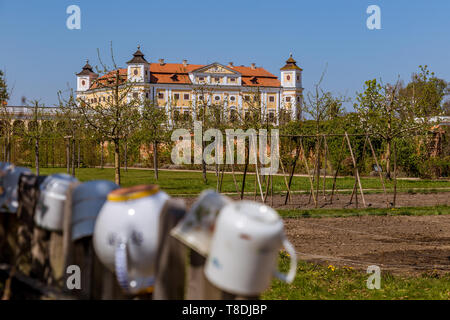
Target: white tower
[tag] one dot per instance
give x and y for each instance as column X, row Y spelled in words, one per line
column 138, row 68
column 85, row 77
column 291, row 81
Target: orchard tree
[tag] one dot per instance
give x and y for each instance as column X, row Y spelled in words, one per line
column 112, row 117
column 154, row 128
column 384, row 113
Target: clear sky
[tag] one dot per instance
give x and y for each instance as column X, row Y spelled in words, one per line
column 41, row 56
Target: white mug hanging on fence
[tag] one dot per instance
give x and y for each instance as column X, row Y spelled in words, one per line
column 49, row 212
column 9, row 184
column 245, row 247
column 126, row 234
column 87, row 201
column 196, row 229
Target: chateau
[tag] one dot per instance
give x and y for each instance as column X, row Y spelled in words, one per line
column 179, row 86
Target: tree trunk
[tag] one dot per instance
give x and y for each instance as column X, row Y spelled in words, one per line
column 101, row 155
column 78, row 155
column 388, row 159
column 68, row 155
column 155, row 158
column 36, row 155
column 73, row 157
column 116, row 162
column 126, row 157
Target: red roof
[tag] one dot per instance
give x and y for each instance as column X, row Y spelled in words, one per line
column 173, row 73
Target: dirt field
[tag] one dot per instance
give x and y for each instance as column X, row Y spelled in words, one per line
column 400, row 244
column 378, row 200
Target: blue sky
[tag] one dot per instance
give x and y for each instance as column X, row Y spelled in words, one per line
column 41, row 56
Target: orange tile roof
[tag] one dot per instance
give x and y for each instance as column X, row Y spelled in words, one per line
column 164, row 74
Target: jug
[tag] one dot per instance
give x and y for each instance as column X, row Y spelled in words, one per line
column 196, row 228
column 9, row 186
column 87, row 200
column 245, row 248
column 126, row 234
column 49, row 213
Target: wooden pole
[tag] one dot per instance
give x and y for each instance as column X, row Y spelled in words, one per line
column 395, row 174
column 307, row 169
column 356, row 168
column 285, row 180
column 325, row 167
column 380, row 174
column 294, row 164
column 337, row 169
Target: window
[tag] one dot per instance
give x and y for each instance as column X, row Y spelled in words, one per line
column 135, row 95
column 298, row 78
column 232, row 98
column 83, row 82
column 95, row 100
column 271, row 116
column 146, row 95
column 135, row 72
column 176, row 96
column 109, row 98
column 160, row 95
column 186, row 96
column 104, row 99
column 216, row 79
column 288, row 99
column 217, row 98
column 246, row 98
column 186, row 115
column 233, row 115
column 288, row 77
column 271, row 99
column 232, row 79
column 298, row 99
column 201, row 78
column 200, row 98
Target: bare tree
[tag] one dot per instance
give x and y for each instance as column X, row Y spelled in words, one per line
column 112, row 117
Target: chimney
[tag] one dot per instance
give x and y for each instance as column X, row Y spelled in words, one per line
column 185, row 63
column 230, row 64
column 161, row 62
column 253, row 66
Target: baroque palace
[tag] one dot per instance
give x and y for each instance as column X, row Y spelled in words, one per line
column 179, row 86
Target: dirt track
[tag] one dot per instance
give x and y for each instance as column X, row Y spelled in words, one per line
column 378, row 200
column 400, row 244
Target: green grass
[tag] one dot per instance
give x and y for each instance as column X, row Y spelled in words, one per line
column 192, row 182
column 321, row 282
column 403, row 211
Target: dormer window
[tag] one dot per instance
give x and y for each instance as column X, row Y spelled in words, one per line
column 201, row 78
column 232, row 79
column 174, row 77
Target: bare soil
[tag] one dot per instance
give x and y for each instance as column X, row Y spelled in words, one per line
column 398, row 244
column 340, row 201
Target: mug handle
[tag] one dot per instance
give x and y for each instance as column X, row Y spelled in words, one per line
column 121, row 267
column 289, row 277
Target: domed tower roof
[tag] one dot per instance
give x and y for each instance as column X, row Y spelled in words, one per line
column 291, row 64
column 138, row 57
column 87, row 70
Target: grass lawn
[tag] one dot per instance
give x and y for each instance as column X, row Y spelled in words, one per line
column 403, row 211
column 321, row 282
column 174, row 182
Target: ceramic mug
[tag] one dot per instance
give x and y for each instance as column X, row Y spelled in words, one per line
column 196, row 228
column 245, row 247
column 126, row 234
column 49, row 213
column 87, row 201
column 9, row 184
